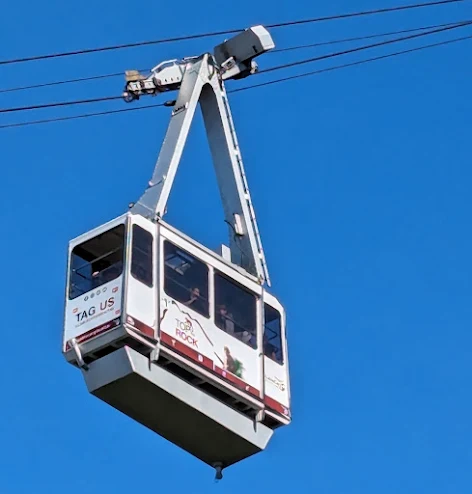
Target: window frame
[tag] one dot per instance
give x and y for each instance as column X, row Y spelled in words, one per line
column 72, row 271
column 279, row 336
column 254, row 335
column 149, row 256
column 193, row 259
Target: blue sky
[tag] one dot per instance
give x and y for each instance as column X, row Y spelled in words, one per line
column 361, row 183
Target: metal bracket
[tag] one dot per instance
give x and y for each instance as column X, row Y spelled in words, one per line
column 78, row 354
column 154, row 356
column 260, row 415
column 202, row 83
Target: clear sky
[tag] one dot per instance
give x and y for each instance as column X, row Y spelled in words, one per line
column 361, row 182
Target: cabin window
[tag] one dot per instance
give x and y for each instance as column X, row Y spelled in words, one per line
column 186, row 279
column 97, row 261
column 235, row 310
column 273, row 334
column 141, row 256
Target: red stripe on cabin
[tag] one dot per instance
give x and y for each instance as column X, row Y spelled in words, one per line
column 140, row 326
column 97, row 331
column 186, row 350
column 276, row 406
column 237, row 381
column 175, row 344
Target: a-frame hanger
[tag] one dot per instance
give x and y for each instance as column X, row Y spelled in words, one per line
column 201, row 80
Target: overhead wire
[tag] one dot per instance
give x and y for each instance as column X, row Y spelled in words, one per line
column 364, row 47
column 246, row 88
column 351, row 64
column 360, row 38
column 228, row 31
column 279, row 50
column 270, row 69
column 384, row 10
column 84, row 115
column 58, row 83
column 59, row 103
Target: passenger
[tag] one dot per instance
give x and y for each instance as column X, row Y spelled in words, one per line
column 194, row 295
column 247, row 337
column 224, row 320
column 196, row 301
column 269, row 349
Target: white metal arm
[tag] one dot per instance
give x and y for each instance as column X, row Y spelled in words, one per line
column 202, row 82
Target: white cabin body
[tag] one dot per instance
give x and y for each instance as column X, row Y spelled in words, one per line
column 145, row 285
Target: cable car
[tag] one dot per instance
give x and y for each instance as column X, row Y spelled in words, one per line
column 183, row 339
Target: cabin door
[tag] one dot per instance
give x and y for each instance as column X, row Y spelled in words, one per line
column 142, row 285
column 277, row 394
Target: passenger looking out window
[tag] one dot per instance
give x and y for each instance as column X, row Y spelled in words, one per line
column 196, row 301
column 235, row 310
column 186, row 279
column 224, row 320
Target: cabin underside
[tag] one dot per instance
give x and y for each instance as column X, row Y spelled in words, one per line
column 168, row 405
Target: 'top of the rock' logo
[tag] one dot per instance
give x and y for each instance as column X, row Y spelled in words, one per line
column 184, row 331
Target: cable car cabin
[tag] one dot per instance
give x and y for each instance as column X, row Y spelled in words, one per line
column 145, row 286
column 182, row 339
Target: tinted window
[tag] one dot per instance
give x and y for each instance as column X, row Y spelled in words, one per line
column 186, row 278
column 141, row 256
column 97, row 261
column 235, row 310
column 273, row 334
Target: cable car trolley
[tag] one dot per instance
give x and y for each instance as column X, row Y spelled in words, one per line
column 182, row 339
